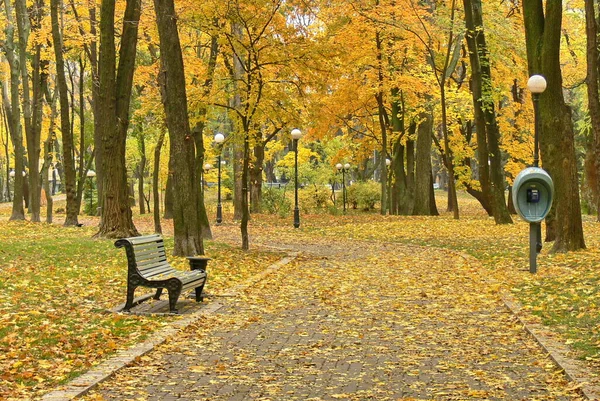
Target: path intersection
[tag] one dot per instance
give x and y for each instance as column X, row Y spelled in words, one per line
column 352, row 321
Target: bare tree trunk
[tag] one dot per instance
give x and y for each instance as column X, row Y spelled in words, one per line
column 188, row 235
column 65, row 124
column 593, row 64
column 155, row 177
column 141, row 171
column 423, row 177
column 112, row 117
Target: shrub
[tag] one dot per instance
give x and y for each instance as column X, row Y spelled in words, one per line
column 274, row 201
column 313, row 198
column 364, row 195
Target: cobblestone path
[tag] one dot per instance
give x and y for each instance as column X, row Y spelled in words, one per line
column 352, row 321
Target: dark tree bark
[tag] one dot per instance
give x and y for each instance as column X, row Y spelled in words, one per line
column 593, row 64
column 384, row 124
column 188, row 234
column 168, row 214
column 65, row 123
column 423, row 176
column 543, row 35
column 12, row 108
column 112, row 119
column 488, row 134
column 155, row 176
column 141, row 169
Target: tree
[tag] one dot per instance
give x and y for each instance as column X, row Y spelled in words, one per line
column 188, row 232
column 488, row 134
column 112, row 119
column 593, row 91
column 65, row 122
column 543, row 34
column 12, row 108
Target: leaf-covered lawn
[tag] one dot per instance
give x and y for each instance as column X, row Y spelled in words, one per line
column 56, row 284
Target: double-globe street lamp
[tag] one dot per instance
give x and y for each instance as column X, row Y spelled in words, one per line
column 296, row 135
column 219, row 139
column 343, row 168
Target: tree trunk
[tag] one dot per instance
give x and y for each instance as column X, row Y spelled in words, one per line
column 169, row 196
column 256, row 172
column 245, row 209
column 199, row 166
column 188, row 235
column 141, row 171
column 423, row 176
column 384, row 123
column 155, row 178
column 65, row 123
column 483, row 100
column 12, row 108
column 593, row 63
column 543, row 35
column 114, row 97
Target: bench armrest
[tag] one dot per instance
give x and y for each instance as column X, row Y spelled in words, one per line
column 198, row 262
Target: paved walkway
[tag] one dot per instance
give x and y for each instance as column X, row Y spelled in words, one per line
column 354, row 321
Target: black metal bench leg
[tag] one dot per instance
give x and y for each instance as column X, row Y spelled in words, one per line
column 199, row 297
column 158, row 293
column 174, row 289
column 130, row 293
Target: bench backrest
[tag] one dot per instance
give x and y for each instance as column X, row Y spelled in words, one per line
column 145, row 255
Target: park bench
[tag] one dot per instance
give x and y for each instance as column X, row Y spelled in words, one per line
column 148, row 267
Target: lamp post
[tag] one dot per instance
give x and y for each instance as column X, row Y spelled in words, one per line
column 536, row 85
column 91, row 174
column 207, row 167
column 219, row 139
column 343, row 169
column 296, row 135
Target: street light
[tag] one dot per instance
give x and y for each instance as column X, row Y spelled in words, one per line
column 207, row 167
column 91, row 174
column 219, row 139
column 343, row 169
column 536, row 85
column 296, row 135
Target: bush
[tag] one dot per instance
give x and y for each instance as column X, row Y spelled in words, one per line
column 364, row 195
column 313, row 198
column 274, row 201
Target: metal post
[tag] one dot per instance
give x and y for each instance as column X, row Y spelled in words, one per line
column 219, row 208
column 296, row 209
column 344, row 188
column 533, row 229
column 91, row 194
column 536, row 133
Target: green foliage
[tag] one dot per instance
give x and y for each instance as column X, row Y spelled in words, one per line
column 274, row 201
column 364, row 195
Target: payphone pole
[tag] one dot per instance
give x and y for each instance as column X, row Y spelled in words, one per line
column 537, row 85
column 534, row 230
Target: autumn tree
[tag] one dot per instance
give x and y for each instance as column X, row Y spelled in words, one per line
column 543, row 35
